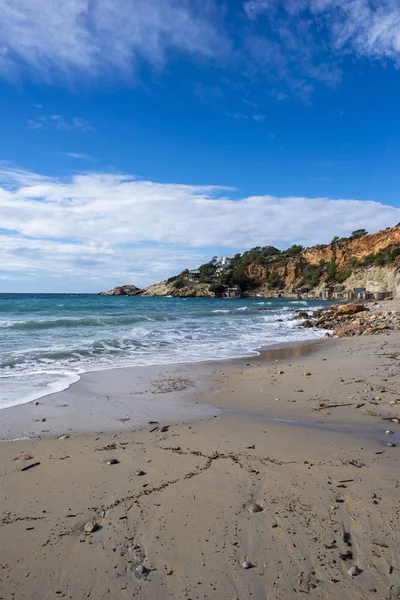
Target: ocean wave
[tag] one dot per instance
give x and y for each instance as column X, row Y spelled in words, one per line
column 44, row 349
column 35, row 324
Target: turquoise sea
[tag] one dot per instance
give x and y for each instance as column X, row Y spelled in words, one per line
column 48, row 340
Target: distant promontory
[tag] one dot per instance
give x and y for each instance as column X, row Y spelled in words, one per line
column 362, row 266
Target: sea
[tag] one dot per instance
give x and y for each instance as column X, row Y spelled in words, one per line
column 48, row 340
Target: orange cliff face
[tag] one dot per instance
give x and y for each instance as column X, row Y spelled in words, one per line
column 358, row 248
column 290, row 269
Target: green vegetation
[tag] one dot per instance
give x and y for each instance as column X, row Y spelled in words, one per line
column 260, row 255
column 179, row 282
column 358, row 233
column 295, row 249
column 217, row 289
column 207, row 271
column 275, row 281
column 237, row 276
column 381, row 258
column 312, row 274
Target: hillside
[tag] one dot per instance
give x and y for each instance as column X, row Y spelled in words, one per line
column 370, row 261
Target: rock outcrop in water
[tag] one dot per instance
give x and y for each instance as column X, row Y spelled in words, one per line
column 123, row 290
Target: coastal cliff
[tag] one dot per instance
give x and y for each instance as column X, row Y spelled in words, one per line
column 369, row 262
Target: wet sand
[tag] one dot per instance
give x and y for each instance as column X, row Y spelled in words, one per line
column 326, row 483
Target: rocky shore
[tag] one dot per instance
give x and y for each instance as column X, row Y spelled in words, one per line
column 346, row 320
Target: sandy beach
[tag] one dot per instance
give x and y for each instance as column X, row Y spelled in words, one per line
column 268, row 477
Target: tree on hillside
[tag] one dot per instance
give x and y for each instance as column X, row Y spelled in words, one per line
column 332, row 270
column 295, row 249
column 275, row 281
column 359, row 233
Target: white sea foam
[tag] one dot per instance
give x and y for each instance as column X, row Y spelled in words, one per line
column 51, row 348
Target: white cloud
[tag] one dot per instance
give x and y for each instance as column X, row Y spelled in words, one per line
column 117, row 229
column 51, row 38
column 59, row 122
column 46, row 265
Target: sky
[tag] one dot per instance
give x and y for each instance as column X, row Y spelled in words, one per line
column 142, row 137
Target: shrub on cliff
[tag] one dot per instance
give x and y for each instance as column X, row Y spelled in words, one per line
column 382, row 258
column 275, row 281
column 217, row 289
column 312, row 274
column 179, row 283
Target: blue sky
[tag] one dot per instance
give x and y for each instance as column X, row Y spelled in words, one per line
column 142, row 137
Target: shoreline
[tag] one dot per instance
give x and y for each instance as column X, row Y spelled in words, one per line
column 47, row 378
column 188, row 383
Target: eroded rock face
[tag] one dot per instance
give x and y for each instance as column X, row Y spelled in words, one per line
column 191, row 290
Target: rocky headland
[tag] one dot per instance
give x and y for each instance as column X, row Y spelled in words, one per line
column 362, row 261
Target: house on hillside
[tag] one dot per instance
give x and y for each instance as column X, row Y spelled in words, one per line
column 383, row 295
column 360, row 293
column 348, row 295
column 326, row 293
column 223, row 264
column 337, row 293
column 193, row 275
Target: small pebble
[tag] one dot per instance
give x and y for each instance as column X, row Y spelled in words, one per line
column 307, row 374
column 281, row 372
column 388, row 432
column 391, row 445
column 246, row 564
column 140, row 473
column 63, row 437
column 354, row 571
column 112, row 461
column 254, row 508
column 36, row 403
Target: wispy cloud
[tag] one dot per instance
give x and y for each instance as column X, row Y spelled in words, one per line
column 248, row 117
column 297, row 42
column 369, row 28
column 95, row 224
column 54, row 39
column 78, row 156
column 59, row 122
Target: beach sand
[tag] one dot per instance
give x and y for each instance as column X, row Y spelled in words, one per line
column 174, row 517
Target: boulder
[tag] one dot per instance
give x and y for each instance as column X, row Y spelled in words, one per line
column 349, row 309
